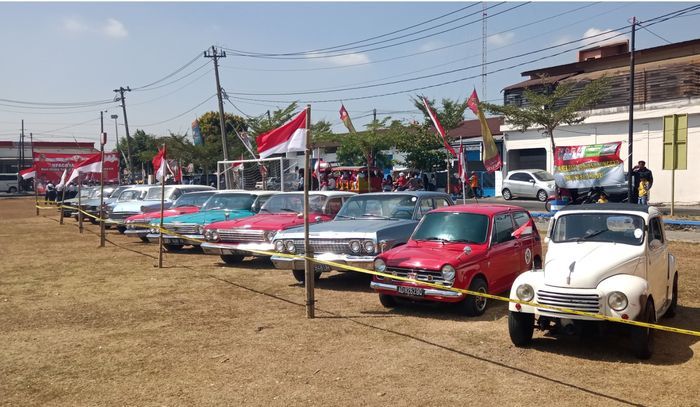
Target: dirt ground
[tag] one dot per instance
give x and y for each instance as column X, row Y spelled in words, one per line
column 82, row 325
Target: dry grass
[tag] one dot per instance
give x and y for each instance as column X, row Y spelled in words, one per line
column 83, row 325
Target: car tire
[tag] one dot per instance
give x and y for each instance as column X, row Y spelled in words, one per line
column 520, row 327
column 388, row 301
column 121, row 229
column 94, row 221
column 144, row 239
column 474, row 306
column 232, row 258
column 542, row 195
column 172, row 247
column 12, row 190
column 671, row 311
column 642, row 337
column 506, row 194
column 300, row 275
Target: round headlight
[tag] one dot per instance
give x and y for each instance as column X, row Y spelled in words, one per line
column 368, row 245
column 215, row 235
column 207, row 234
column 379, row 265
column 355, row 246
column 617, row 300
column 200, row 230
column 279, row 246
column 290, row 246
column 448, row 272
column 525, row 292
column 154, row 230
column 269, row 235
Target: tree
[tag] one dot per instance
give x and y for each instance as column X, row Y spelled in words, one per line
column 143, row 147
column 261, row 124
column 365, row 146
column 549, row 107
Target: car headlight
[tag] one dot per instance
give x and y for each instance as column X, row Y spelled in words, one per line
column 207, row 234
column 269, row 235
column 617, row 300
column 129, row 226
column 355, row 246
column 154, row 230
column 214, row 235
column 279, row 246
column 290, row 246
column 200, row 230
column 448, row 272
column 369, row 247
column 379, row 265
column 525, row 292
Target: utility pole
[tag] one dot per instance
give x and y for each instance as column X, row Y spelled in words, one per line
column 103, row 141
column 630, row 141
column 269, row 118
column 121, row 91
column 483, row 50
column 369, row 157
column 215, row 55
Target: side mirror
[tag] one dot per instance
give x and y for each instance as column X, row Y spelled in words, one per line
column 532, row 181
column 227, row 215
column 318, row 218
column 467, row 250
column 655, row 244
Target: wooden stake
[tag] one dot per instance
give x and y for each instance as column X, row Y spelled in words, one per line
column 103, row 140
column 308, row 264
column 162, row 200
column 80, row 203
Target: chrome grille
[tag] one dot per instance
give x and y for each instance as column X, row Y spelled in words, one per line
column 337, row 246
column 578, row 302
column 241, row 235
column 121, row 215
column 429, row 276
column 182, row 229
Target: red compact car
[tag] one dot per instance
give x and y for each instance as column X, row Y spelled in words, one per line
column 477, row 247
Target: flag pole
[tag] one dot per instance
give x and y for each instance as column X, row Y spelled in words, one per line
column 60, row 207
column 36, row 194
column 463, row 170
column 103, row 140
column 308, row 265
column 162, row 200
column 80, row 204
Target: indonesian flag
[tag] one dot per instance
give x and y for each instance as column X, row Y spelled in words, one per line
column 287, row 138
column 345, row 117
column 492, row 160
column 62, row 183
column 462, row 165
column 28, row 173
column 525, row 229
column 88, row 165
column 438, row 126
column 160, row 164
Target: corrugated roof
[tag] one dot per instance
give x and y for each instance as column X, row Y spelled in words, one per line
column 472, row 128
column 539, row 81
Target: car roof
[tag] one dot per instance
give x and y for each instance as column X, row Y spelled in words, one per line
column 245, row 191
column 527, row 170
column 200, row 192
column 611, row 207
column 419, row 194
column 325, row 193
column 481, row 209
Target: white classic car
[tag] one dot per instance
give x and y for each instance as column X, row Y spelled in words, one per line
column 608, row 259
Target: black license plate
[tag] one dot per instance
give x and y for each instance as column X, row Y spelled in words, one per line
column 321, row 268
column 412, row 291
column 173, row 241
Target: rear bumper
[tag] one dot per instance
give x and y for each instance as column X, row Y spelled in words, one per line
column 297, row 263
column 432, row 294
column 236, row 248
column 176, row 240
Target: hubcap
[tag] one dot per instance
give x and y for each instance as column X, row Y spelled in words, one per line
column 480, row 302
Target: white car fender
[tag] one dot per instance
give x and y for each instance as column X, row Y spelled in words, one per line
column 672, row 268
column 535, row 279
column 635, row 288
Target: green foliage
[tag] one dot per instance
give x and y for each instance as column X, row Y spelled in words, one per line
column 361, row 147
column 261, row 124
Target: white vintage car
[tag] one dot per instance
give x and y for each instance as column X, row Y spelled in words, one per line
column 608, row 259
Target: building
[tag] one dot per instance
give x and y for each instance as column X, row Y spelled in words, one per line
column 667, row 83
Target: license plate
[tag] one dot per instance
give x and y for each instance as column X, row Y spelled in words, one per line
column 321, row 268
column 412, row 291
column 173, row 241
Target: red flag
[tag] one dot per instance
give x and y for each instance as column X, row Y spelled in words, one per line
column 160, row 164
column 345, row 118
column 88, row 165
column 28, row 173
column 461, row 164
column 438, row 126
column 492, row 159
column 287, row 138
column 526, row 229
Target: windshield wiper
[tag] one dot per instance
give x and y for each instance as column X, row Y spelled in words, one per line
column 368, row 215
column 346, row 217
column 265, row 209
column 288, row 210
column 590, row 235
column 461, row 241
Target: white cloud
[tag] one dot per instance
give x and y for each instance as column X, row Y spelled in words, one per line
column 564, row 39
column 115, row 29
column 608, row 37
column 429, row 46
column 500, row 39
column 342, row 60
column 74, row 25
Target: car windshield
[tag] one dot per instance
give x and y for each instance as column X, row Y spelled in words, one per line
column 131, row 195
column 117, row 191
column 453, row 227
column 599, row 227
column 85, row 192
column 387, row 206
column 155, row 192
column 229, row 201
column 543, row 176
column 95, row 193
column 293, row 203
column 196, row 199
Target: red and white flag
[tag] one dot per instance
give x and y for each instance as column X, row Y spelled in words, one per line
column 88, row 165
column 160, row 164
column 438, row 126
column 462, row 165
column 28, row 173
column 526, row 229
column 62, row 183
column 287, row 138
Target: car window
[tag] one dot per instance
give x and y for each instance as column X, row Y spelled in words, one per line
column 426, row 205
column 520, row 176
column 655, row 231
column 599, row 227
column 520, row 218
column 440, row 202
column 333, row 206
column 454, row 227
column 260, row 202
column 502, row 228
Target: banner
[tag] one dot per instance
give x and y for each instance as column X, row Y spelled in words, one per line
column 595, row 165
column 50, row 166
column 492, row 159
column 197, row 138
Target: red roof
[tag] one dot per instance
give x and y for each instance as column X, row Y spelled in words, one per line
column 481, row 209
column 50, row 144
column 472, row 128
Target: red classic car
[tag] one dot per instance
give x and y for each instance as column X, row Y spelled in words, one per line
column 231, row 239
column 477, row 247
column 137, row 225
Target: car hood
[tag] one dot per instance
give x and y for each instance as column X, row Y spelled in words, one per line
column 357, row 228
column 585, row 265
column 207, row 217
column 432, row 255
column 267, row 221
column 166, row 213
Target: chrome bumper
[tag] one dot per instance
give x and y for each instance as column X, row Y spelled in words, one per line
column 170, row 239
column 137, row 232
column 286, row 263
column 236, row 248
column 429, row 292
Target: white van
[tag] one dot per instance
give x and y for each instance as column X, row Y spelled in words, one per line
column 8, row 183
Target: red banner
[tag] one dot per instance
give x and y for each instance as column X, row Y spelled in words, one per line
column 50, row 166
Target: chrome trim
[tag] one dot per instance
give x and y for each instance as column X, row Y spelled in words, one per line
column 428, row 291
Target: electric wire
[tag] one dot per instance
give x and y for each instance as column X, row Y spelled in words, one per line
column 170, row 75
column 177, row 116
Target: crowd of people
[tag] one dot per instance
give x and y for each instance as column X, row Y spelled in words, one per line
column 55, row 193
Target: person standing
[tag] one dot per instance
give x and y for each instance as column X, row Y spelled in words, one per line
column 474, row 185
column 643, row 191
column 638, row 172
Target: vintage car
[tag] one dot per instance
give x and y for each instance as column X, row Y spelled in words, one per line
column 230, row 239
column 191, row 202
column 366, row 225
column 609, row 259
column 223, row 205
column 71, row 203
column 92, row 204
column 479, row 247
column 126, row 208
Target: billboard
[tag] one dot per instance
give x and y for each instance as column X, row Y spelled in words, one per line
column 50, row 166
column 197, row 138
column 595, row 165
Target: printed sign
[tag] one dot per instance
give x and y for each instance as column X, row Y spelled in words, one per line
column 50, row 166
column 595, row 165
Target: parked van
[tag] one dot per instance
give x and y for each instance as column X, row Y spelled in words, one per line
column 8, row 183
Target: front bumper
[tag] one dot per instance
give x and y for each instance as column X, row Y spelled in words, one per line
column 297, row 263
column 236, row 248
column 137, row 232
column 192, row 240
column 429, row 293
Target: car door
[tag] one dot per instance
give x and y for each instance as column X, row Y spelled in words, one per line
column 657, row 262
column 529, row 185
column 502, row 259
column 426, row 205
column 526, row 249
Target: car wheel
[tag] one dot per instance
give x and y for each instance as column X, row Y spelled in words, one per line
column 12, row 190
column 548, row 206
column 642, row 337
column 144, row 239
column 388, row 301
column 121, row 229
column 300, row 275
column 542, row 195
column 94, row 221
column 520, row 327
column 172, row 247
column 232, row 258
column 474, row 306
column 671, row 311
column 506, row 194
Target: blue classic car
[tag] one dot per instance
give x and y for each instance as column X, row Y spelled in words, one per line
column 223, row 205
column 366, row 225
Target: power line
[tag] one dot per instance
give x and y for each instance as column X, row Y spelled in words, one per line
column 178, row 116
column 176, row 90
column 655, row 34
column 174, row 81
column 56, row 105
column 170, row 75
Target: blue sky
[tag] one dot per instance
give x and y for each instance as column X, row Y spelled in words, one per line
column 77, row 52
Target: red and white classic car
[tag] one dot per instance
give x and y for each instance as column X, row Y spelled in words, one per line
column 478, row 247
